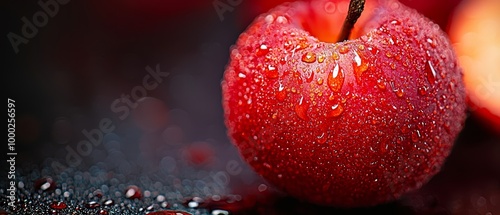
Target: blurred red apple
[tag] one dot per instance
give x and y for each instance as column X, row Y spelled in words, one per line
column 475, row 32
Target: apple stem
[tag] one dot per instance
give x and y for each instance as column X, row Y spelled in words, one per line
column 355, row 9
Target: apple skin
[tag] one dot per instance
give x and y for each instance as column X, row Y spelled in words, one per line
column 474, row 32
column 353, row 123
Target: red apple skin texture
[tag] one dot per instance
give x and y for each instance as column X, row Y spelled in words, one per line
column 382, row 130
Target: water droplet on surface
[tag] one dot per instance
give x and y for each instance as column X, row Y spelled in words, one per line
column 169, row 212
column 395, row 22
column 271, row 71
column 45, row 184
column 431, row 42
column 344, row 49
column 399, row 93
column 241, row 75
column 309, row 57
column 321, row 58
column 336, row 110
column 431, row 72
column 58, row 205
column 92, row 205
column 281, row 93
column 322, row 138
column 381, row 84
column 336, row 78
column 359, row 65
column 319, row 81
column 301, row 108
column 383, row 147
column 415, row 136
column 133, row 192
column 109, row 202
column 103, row 212
column 422, row 91
column 194, row 202
column 262, row 50
column 310, row 77
column 282, row 20
column 220, row 212
column 335, row 56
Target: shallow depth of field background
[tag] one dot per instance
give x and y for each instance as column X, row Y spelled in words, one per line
column 67, row 78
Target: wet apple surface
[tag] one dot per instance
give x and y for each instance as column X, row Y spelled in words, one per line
column 353, row 123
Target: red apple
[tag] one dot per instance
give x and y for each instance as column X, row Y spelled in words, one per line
column 475, row 32
column 349, row 123
column 437, row 11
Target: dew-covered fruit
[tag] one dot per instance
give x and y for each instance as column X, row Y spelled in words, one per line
column 347, row 123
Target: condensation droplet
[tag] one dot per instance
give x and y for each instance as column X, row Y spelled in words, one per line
column 309, row 57
column 336, row 78
column 431, row 72
column 319, row 81
column 281, row 93
column 381, row 84
column 359, row 65
column 422, row 90
column 271, row 71
column 321, row 58
column 323, row 137
column 301, row 108
column 262, row 50
column 399, row 93
column 336, row 110
column 344, row 49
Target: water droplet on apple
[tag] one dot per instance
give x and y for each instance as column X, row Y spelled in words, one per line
column 422, row 90
column 359, row 65
column 282, row 20
column 281, row 93
column 336, row 78
column 336, row 110
column 241, row 75
column 335, row 56
column 269, row 19
column 262, row 50
column 310, row 76
column 323, row 137
column 383, row 147
column 344, row 49
column 301, row 108
column 431, row 72
column 395, row 22
column 381, row 84
column 399, row 92
column 415, row 136
column 271, row 71
column 431, row 42
column 319, row 81
column 321, row 58
column 309, row 57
